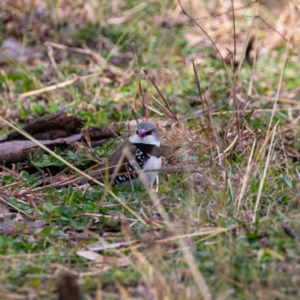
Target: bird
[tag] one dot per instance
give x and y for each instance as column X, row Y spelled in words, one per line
column 128, row 164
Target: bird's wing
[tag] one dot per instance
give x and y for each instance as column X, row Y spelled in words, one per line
column 124, row 152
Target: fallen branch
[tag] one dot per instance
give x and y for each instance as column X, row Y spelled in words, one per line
column 58, row 130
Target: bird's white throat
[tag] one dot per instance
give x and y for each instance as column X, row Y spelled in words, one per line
column 148, row 139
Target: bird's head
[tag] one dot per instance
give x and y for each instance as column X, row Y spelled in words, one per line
column 146, row 133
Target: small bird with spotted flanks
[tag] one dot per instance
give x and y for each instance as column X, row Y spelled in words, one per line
column 140, row 152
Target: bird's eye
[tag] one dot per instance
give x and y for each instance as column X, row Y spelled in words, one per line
column 149, row 132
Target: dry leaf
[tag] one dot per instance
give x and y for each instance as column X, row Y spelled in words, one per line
column 88, row 254
column 4, row 210
column 103, row 263
column 100, row 246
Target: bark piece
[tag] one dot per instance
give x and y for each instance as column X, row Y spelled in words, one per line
column 51, row 127
column 58, row 130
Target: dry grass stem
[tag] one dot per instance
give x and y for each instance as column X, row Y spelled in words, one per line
column 246, row 178
column 262, row 180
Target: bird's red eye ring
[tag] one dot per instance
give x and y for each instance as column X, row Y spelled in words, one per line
column 149, row 132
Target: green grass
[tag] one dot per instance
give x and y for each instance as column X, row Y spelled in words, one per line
column 184, row 240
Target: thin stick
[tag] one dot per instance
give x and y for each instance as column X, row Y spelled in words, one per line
column 162, row 96
column 228, row 11
column 96, row 56
column 262, row 181
column 274, row 29
column 145, row 105
column 208, row 232
column 16, row 208
column 198, row 25
column 165, row 110
column 246, row 177
column 208, row 109
column 53, row 62
column 249, row 92
column 235, row 74
column 48, row 88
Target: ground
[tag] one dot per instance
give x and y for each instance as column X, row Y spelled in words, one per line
column 221, row 81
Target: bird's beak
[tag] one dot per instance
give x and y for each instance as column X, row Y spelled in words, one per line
column 142, row 132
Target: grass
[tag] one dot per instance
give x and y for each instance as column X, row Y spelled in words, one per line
column 233, row 234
